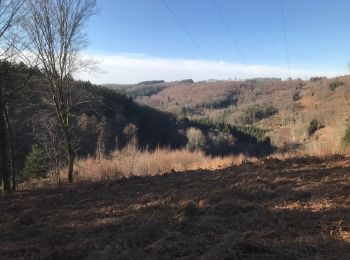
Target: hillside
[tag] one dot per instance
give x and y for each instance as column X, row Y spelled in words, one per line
column 285, row 108
column 104, row 120
column 231, row 146
column 272, row 209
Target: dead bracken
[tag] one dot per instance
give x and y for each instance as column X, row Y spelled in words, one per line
column 273, row 209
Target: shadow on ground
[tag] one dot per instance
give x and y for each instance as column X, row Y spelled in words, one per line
column 294, row 209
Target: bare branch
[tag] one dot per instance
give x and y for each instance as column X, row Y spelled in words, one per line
column 56, row 30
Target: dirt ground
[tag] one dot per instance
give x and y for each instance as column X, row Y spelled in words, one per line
column 293, row 209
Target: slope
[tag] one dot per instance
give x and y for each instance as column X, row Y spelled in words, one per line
column 292, row 209
column 285, row 108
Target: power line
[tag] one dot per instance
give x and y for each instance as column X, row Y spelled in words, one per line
column 183, row 27
column 285, row 38
column 228, row 28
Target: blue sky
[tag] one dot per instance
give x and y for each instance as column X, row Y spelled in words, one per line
column 136, row 40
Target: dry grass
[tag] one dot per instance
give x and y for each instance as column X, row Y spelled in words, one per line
column 317, row 150
column 271, row 209
column 130, row 161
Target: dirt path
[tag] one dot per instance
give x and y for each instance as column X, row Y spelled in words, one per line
column 296, row 209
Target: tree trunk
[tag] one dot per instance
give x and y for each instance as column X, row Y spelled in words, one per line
column 14, row 179
column 12, row 172
column 70, row 153
column 3, row 150
column 71, row 159
column 63, row 119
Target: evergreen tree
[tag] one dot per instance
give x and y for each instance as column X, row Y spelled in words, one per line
column 35, row 165
column 313, row 126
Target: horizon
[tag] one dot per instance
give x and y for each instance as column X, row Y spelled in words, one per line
column 171, row 40
column 212, row 80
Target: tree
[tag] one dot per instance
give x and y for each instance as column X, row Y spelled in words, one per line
column 35, row 165
column 49, row 138
column 13, row 79
column 196, row 139
column 55, row 28
column 130, row 132
column 10, row 16
column 222, row 141
column 103, row 135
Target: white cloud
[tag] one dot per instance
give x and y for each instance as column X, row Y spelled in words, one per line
column 133, row 68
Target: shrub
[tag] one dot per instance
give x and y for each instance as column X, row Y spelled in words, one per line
column 313, row 126
column 296, row 96
column 334, row 84
column 346, row 136
column 130, row 131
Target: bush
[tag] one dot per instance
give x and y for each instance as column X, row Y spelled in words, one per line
column 296, row 96
column 35, row 164
column 313, row 126
column 130, row 131
column 334, row 84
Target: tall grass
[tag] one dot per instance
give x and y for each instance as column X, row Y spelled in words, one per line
column 131, row 161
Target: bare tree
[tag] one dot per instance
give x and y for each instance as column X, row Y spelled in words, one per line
column 47, row 134
column 56, row 30
column 10, row 16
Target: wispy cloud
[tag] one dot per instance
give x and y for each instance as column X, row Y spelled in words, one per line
column 133, row 68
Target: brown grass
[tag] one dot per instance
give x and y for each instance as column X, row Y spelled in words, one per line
column 272, row 209
column 131, row 161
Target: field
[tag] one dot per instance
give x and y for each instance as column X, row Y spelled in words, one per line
column 270, row 209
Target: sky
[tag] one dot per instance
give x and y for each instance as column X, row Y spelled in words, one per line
column 138, row 40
